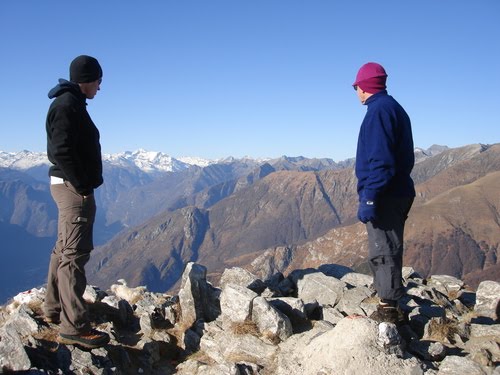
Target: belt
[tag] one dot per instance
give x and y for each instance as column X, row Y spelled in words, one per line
column 56, row 180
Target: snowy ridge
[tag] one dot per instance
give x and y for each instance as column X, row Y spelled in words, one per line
column 147, row 161
column 196, row 161
column 22, row 160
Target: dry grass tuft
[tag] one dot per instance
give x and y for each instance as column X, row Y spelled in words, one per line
column 37, row 307
column 442, row 330
column 467, row 318
column 271, row 337
column 453, row 294
column 245, row 328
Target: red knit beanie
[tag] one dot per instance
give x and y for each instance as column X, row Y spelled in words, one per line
column 371, row 78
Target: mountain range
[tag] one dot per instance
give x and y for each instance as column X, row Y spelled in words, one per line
column 156, row 213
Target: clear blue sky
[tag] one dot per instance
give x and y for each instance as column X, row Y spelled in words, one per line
column 260, row 78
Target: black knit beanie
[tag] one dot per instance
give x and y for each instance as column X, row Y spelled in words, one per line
column 84, row 69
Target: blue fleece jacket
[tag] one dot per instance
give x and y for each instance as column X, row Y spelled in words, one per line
column 384, row 158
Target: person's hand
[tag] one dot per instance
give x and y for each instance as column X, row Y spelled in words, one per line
column 367, row 211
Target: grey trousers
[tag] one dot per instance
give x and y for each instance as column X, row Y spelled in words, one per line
column 66, row 277
column 385, row 246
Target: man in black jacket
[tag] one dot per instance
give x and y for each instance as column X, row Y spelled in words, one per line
column 74, row 150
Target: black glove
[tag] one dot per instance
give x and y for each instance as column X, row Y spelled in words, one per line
column 367, row 211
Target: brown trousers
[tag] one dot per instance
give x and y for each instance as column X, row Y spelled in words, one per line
column 66, row 277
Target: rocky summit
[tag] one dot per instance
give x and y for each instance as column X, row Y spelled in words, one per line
column 311, row 322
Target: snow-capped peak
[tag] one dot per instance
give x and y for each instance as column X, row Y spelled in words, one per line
column 152, row 161
column 147, row 161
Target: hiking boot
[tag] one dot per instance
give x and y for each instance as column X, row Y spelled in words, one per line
column 388, row 314
column 91, row 340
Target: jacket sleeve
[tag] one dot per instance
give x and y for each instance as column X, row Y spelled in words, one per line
column 379, row 134
column 64, row 135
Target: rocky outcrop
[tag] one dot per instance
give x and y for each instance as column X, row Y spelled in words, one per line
column 311, row 322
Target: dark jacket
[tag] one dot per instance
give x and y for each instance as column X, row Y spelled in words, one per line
column 72, row 139
column 385, row 155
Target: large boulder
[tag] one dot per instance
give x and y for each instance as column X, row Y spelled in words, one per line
column 351, row 347
column 488, row 299
column 197, row 298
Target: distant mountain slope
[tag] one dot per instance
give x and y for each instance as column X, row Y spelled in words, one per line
column 458, row 232
column 27, row 203
column 283, row 207
column 25, row 260
column 170, row 191
column 455, row 167
column 292, row 219
column 455, row 232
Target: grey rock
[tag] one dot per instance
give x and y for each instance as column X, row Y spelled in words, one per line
column 317, row 287
column 224, row 346
column 294, row 309
column 410, row 273
column 332, row 314
column 12, row 354
column 428, row 350
column 349, row 348
column 437, row 351
column 93, row 294
column 194, row 367
column 482, row 357
column 146, row 325
column 287, row 354
column 197, row 298
column 491, row 344
column 351, row 301
column 111, row 301
column 272, row 324
column 445, row 284
column 236, row 303
column 389, row 339
column 239, row 276
column 170, row 314
column 357, row 279
column 34, row 296
column 488, row 299
column 481, row 330
column 455, row 365
column 419, row 291
column 95, row 361
column 23, row 322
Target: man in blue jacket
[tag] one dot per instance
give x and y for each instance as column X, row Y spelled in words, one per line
column 384, row 161
column 74, row 150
